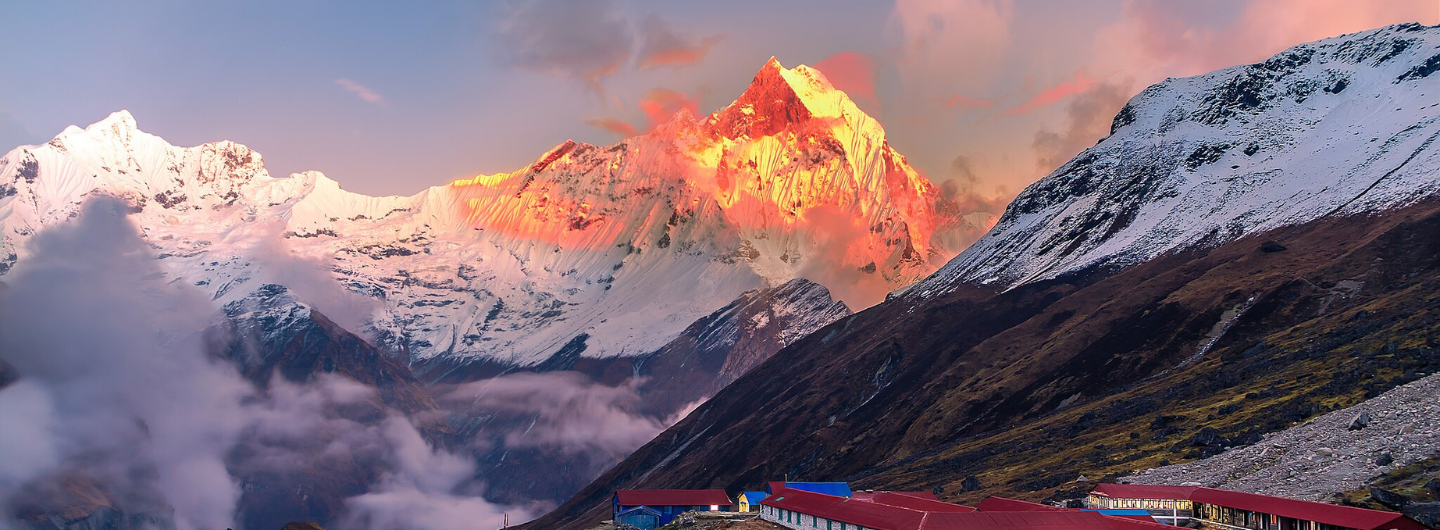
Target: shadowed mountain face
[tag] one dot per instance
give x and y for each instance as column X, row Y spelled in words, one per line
column 274, row 339
column 270, row 333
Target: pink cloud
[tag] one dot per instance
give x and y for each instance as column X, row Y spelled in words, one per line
column 360, row 91
column 1155, row 39
column 658, row 104
column 942, row 43
column 661, row 104
column 853, row 73
column 620, row 127
column 962, row 101
column 1053, row 95
column 661, row 46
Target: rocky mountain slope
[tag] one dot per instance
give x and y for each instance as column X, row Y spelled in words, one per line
column 626, row 244
column 1337, row 452
column 1105, row 325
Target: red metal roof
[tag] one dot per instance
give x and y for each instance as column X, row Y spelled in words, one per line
column 1125, row 522
column 1344, row 516
column 1001, row 504
column 920, row 494
column 1118, row 522
column 1066, row 519
column 902, row 500
column 873, row 514
column 672, row 498
column 848, row 510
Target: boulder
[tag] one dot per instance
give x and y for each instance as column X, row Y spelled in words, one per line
column 1427, row 513
column 969, row 484
column 1389, row 498
column 1360, row 422
column 1384, row 459
column 1206, row 436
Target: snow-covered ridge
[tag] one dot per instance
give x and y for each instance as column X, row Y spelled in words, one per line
column 1341, row 126
column 627, row 244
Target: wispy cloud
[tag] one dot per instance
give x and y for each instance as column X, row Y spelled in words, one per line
column 589, row 41
column 618, row 126
column 585, row 41
column 1050, row 96
column 361, row 91
column 958, row 100
column 659, row 105
column 661, row 46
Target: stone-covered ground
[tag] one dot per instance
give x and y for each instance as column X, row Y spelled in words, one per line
column 1327, row 455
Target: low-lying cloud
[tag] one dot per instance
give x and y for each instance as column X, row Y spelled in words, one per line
column 111, row 376
column 117, row 402
column 570, row 412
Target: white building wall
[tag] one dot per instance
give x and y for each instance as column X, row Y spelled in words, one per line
column 777, row 516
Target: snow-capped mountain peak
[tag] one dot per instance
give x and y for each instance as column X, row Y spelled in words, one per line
column 617, row 248
column 1341, row 126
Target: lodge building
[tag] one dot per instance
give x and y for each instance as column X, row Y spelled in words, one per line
column 1233, row 510
column 648, row 509
column 834, row 506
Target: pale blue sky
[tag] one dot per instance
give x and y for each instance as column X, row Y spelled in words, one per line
column 484, row 87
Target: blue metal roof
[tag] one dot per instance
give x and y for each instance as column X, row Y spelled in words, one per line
column 754, row 497
column 838, row 489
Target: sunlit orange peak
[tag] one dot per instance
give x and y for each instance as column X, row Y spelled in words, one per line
column 481, row 180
